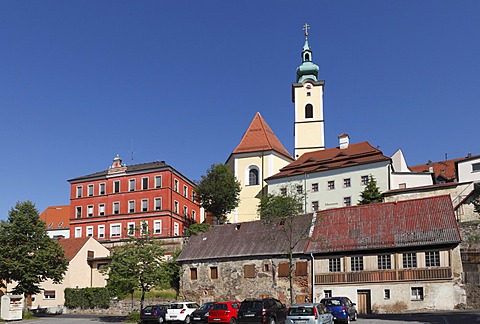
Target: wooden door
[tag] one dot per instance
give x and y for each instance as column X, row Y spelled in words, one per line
column 363, row 302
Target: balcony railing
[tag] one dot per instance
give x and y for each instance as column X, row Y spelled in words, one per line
column 384, row 275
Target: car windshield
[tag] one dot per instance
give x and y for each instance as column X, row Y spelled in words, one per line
column 206, row 306
column 332, row 302
column 149, row 308
column 301, row 311
column 250, row 304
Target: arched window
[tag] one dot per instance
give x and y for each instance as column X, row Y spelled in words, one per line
column 253, row 177
column 309, row 111
column 307, row 57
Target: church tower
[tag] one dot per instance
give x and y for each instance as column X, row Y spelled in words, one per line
column 307, row 97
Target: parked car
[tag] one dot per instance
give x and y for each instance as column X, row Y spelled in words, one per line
column 181, row 311
column 201, row 315
column 342, row 309
column 153, row 313
column 309, row 313
column 261, row 311
column 224, row 312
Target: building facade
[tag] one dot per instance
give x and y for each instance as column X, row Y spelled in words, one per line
column 124, row 200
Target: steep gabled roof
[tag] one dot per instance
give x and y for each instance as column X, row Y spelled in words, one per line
column 56, row 217
column 260, row 137
column 409, row 223
column 333, row 158
column 72, row 246
column 255, row 238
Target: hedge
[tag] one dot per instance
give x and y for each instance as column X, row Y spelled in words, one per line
column 87, row 298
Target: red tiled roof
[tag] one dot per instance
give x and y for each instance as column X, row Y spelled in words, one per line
column 333, row 158
column 56, row 217
column 72, row 246
column 445, row 169
column 408, row 223
column 260, row 137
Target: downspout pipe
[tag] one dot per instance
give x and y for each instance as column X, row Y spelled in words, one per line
column 313, row 278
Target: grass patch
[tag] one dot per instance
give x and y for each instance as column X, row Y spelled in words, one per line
column 133, row 317
column 169, row 294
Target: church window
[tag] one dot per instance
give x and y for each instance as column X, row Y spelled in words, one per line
column 309, row 111
column 253, row 176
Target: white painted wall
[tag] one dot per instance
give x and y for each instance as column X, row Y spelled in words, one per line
column 465, row 170
column 410, row 180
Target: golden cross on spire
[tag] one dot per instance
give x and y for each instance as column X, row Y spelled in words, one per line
column 306, row 27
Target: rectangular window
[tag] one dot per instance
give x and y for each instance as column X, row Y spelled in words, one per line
column 90, row 190
column 364, row 180
column 144, row 183
column 157, row 227
column 101, row 189
column 176, row 229
column 417, row 293
column 158, row 181
column 185, row 191
column 175, row 185
column 213, row 273
column 334, row 265
column 144, row 204
column 402, row 185
column 101, row 209
column 356, row 263
column 116, row 186
column 193, row 195
column 194, row 215
column 409, row 260
column 347, row 183
column 116, row 208
column 475, row 167
column 101, row 231
column 49, row 294
column 90, row 210
column 327, row 293
column 158, row 203
column 89, row 230
column 283, row 191
column 314, row 205
column 131, row 229
column 432, row 259
column 175, row 207
column 314, row 187
column 78, row 232
column 131, row 206
column 193, row 274
column 249, row 271
column 185, row 211
column 115, row 230
column 301, row 269
column 299, row 190
column 143, row 227
column 79, row 191
column 283, row 269
column 347, row 201
column 384, row 262
column 78, row 213
column 131, row 185
column 331, row 185
column 386, row 294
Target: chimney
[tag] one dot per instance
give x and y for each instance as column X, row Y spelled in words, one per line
column 343, row 141
column 430, row 166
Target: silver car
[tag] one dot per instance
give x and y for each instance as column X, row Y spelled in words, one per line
column 309, row 313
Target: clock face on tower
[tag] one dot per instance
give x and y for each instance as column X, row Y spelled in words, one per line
column 307, row 86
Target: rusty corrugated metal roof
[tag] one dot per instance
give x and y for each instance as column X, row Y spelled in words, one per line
column 417, row 222
column 246, row 239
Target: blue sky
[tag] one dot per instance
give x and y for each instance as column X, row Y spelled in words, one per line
column 180, row 81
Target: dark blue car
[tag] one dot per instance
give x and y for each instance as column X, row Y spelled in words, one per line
column 342, row 309
column 153, row 313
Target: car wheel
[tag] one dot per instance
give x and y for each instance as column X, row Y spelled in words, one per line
column 233, row 321
column 355, row 316
column 161, row 319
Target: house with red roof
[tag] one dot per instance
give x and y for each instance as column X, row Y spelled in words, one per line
column 57, row 221
column 85, row 257
column 385, row 257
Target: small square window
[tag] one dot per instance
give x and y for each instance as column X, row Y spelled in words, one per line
column 347, row 201
column 432, row 259
column 334, row 265
column 283, row 191
column 314, row 205
column 409, row 260
column 356, row 263
column 299, row 190
column 347, row 183
column 386, row 294
column 314, row 187
column 49, row 294
column 475, row 167
column 327, row 293
column 331, row 185
column 364, row 180
column 309, row 93
column 417, row 293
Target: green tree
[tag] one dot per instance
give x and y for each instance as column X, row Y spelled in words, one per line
column 27, row 255
column 218, row 191
column 371, row 194
column 287, row 211
column 137, row 265
column 197, row 228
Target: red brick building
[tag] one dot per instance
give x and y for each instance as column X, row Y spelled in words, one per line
column 111, row 204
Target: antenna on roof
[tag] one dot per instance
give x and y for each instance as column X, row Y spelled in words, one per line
column 131, row 152
column 446, row 157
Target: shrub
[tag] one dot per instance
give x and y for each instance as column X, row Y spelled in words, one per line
column 87, row 298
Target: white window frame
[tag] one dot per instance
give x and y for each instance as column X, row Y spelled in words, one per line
column 158, row 203
column 48, row 295
column 176, row 229
column 117, row 233
column 145, row 185
column 101, row 209
column 116, row 203
column 114, row 189
column 132, row 184
column 331, row 185
column 102, row 188
column 194, row 215
column 89, row 231
column 78, row 232
column 158, row 181
column 90, row 211
column 90, row 192
column 417, row 293
column 185, row 191
column 78, row 212
column 175, row 207
column 157, row 226
column 131, row 203
column 143, row 227
column 101, row 231
column 144, row 205
column 79, row 192
column 175, row 185
column 185, row 211
column 131, row 228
